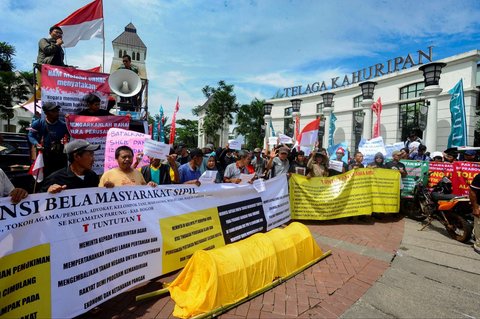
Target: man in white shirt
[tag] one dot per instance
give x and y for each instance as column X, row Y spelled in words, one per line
column 7, row 189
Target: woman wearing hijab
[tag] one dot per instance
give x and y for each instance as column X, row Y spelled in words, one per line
column 378, row 161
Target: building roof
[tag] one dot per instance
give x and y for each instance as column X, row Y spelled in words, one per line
column 130, row 37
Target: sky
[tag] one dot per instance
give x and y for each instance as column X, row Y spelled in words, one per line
column 259, row 46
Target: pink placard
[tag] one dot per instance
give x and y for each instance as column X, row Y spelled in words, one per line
column 118, row 137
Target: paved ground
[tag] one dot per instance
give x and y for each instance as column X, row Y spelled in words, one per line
column 361, row 253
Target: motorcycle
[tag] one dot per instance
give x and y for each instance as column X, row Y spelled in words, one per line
column 453, row 212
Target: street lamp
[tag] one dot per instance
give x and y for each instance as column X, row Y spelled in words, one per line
column 267, row 110
column 431, row 78
column 296, row 116
column 368, row 88
column 327, row 110
column 327, row 99
column 431, row 72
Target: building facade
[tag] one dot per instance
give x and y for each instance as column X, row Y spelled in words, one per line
column 400, row 85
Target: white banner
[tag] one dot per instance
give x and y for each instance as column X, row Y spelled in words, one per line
column 63, row 254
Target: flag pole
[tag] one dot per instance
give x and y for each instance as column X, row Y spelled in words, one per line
column 103, row 43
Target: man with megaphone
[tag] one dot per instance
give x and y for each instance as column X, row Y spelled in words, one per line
column 127, row 64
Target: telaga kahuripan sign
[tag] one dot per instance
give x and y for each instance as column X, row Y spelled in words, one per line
column 390, row 66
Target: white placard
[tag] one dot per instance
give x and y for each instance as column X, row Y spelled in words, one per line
column 336, row 165
column 154, row 149
column 234, row 145
column 246, row 178
column 273, row 140
column 208, row 177
column 285, row 139
column 259, row 185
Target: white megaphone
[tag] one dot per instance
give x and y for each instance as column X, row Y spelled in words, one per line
column 125, row 83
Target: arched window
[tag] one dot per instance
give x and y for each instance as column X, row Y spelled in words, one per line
column 410, row 118
column 133, row 55
column 120, row 54
column 124, row 52
column 138, row 56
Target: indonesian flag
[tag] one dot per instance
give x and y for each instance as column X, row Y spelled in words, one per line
column 309, row 134
column 83, row 24
column 36, row 170
column 377, row 109
column 172, row 128
column 96, row 69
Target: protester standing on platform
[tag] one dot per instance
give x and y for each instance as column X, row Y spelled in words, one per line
column 93, row 107
column 437, row 157
column 79, row 173
column 124, row 174
column 50, row 50
column 127, row 64
column 7, row 189
column 50, row 134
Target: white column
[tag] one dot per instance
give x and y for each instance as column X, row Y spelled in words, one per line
column 327, row 111
column 367, row 120
column 267, row 131
column 430, row 93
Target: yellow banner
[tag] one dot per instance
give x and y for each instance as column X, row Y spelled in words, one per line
column 357, row 192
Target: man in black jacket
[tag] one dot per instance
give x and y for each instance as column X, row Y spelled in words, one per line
column 79, row 173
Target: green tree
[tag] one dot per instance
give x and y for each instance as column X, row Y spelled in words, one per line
column 7, row 52
column 12, row 86
column 220, row 107
column 249, row 121
column 186, row 133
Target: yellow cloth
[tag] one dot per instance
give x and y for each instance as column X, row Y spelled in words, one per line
column 226, row 275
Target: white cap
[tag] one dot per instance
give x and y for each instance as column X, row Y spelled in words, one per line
column 435, row 154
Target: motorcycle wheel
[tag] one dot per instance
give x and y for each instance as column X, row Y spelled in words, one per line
column 460, row 230
column 412, row 210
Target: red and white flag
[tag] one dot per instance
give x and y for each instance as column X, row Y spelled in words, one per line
column 36, row 170
column 309, row 134
column 173, row 128
column 377, row 109
column 83, row 24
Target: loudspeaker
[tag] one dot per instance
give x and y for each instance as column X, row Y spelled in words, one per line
column 125, row 83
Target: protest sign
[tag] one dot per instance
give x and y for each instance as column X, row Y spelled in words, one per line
column 415, row 170
column 94, row 129
column 154, row 149
column 393, row 147
column 336, row 165
column 284, row 139
column 67, row 87
column 118, row 137
column 370, row 148
column 63, row 254
column 273, row 140
column 357, row 192
column 437, row 170
column 234, row 145
column 463, row 174
column 208, row 177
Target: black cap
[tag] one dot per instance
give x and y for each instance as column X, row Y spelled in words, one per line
column 49, row 106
